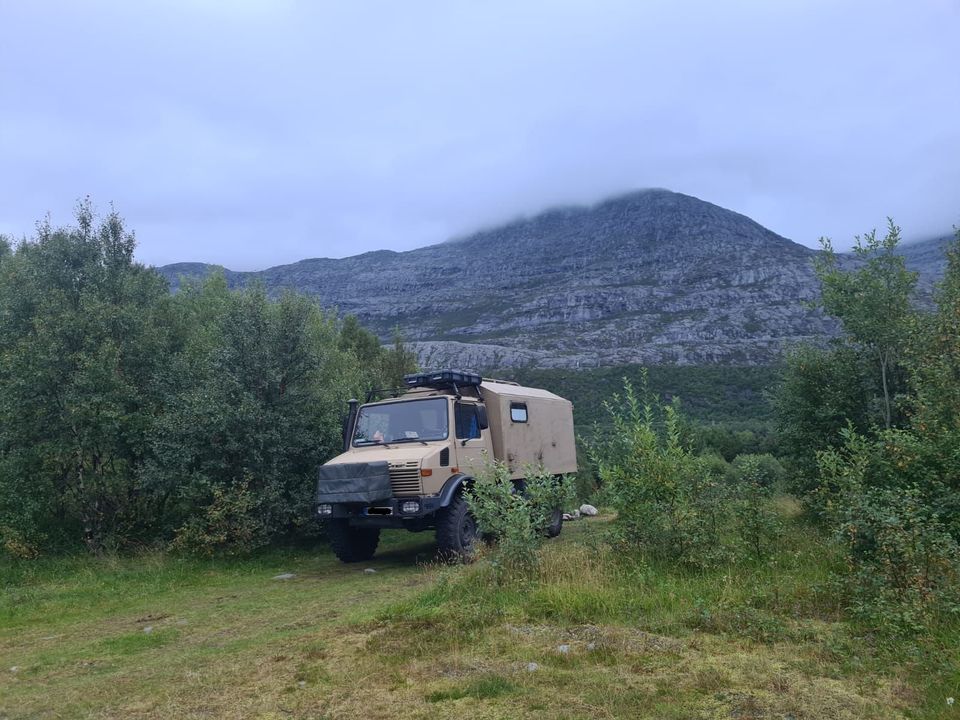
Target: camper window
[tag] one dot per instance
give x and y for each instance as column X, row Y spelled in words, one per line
column 518, row 412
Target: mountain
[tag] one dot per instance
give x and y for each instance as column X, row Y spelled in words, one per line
column 650, row 277
column 929, row 259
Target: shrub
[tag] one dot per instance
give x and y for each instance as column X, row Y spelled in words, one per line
column 902, row 564
column 715, row 466
column 515, row 515
column 758, row 523
column 762, row 470
column 668, row 502
column 15, row 545
column 229, row 524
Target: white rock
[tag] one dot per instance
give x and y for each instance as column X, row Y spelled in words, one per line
column 563, row 649
column 567, row 517
column 285, row 576
column 588, row 510
column 302, row 683
column 148, row 629
column 14, row 669
column 591, row 646
column 370, row 571
column 532, row 667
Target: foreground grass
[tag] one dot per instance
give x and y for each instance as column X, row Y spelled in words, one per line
column 591, row 636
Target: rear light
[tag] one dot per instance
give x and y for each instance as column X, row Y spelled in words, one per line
column 324, row 509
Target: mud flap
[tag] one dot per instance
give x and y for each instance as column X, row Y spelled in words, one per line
column 354, row 483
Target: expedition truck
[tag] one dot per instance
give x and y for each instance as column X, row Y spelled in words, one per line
column 407, row 459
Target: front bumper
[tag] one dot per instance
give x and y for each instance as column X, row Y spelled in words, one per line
column 390, row 508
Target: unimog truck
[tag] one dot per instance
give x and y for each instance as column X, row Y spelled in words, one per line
column 408, row 458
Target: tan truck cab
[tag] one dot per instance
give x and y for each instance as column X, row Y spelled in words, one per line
column 408, row 458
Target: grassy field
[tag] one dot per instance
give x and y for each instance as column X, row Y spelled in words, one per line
column 592, row 636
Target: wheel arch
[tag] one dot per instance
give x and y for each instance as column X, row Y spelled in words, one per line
column 452, row 486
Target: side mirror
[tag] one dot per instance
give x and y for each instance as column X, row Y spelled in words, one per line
column 482, row 417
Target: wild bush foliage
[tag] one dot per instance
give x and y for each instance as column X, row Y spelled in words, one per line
column 763, row 470
column 893, row 518
column 758, row 523
column 863, row 379
column 695, row 510
column 666, row 503
column 130, row 416
column 893, row 495
column 516, row 516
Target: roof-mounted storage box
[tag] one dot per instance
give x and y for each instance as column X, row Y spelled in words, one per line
column 442, row 378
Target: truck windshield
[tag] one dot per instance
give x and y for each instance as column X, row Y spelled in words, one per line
column 406, row 421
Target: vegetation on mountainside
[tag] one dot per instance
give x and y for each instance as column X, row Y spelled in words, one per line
column 727, row 410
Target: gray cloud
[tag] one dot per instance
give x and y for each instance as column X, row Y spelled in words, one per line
column 256, row 133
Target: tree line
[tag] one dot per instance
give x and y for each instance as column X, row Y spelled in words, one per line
column 870, row 428
column 131, row 417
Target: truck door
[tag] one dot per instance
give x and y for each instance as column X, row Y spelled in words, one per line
column 471, row 440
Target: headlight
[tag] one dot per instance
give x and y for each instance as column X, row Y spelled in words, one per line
column 324, row 509
column 410, row 507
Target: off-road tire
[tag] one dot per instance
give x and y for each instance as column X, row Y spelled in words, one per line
column 556, row 523
column 352, row 544
column 457, row 532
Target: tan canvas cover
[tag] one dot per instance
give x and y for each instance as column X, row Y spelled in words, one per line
column 546, row 438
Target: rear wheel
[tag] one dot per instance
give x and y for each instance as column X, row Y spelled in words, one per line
column 457, row 531
column 556, row 523
column 352, row 544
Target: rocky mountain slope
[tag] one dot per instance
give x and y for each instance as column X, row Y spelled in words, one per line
column 650, row 277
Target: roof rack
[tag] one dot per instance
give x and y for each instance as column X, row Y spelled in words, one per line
column 443, row 379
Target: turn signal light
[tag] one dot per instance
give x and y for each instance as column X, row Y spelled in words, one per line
column 426, row 472
column 454, row 471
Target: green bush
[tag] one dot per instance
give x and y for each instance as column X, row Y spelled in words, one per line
column 889, row 516
column 668, row 502
column 230, row 524
column 762, row 470
column 516, row 516
column 758, row 523
column 715, row 466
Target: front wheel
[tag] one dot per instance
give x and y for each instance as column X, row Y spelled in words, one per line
column 457, row 531
column 352, row 544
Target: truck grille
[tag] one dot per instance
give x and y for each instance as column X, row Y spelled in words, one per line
column 405, row 478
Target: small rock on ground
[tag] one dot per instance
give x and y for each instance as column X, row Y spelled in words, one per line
column 148, row 629
column 14, row 669
column 588, row 510
column 532, row 667
column 563, row 649
column 285, row 576
column 370, row 571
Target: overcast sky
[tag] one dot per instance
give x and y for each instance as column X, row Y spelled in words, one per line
column 253, row 133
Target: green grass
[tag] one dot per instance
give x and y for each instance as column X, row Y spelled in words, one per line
column 641, row 640
column 482, row 688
